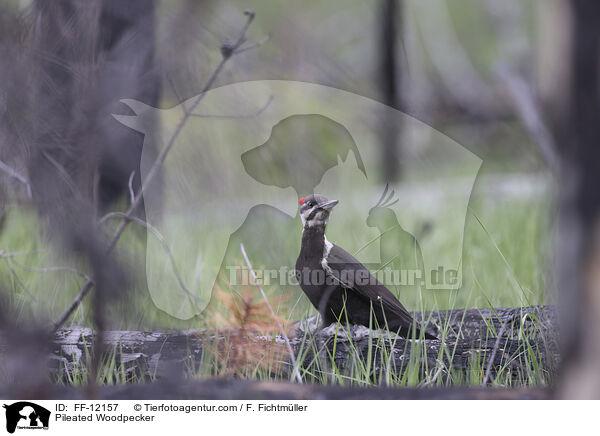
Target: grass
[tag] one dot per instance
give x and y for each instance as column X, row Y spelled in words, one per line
column 384, row 359
column 112, row 371
column 504, row 263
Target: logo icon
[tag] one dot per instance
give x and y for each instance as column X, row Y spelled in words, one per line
column 26, row 415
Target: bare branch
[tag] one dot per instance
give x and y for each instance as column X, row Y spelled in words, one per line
column 127, row 216
column 511, row 34
column 13, row 173
column 448, row 56
column 130, row 186
column 254, row 45
column 52, row 269
column 237, row 117
column 488, row 370
column 177, row 96
column 436, row 375
column 18, row 279
column 87, row 287
column 160, row 239
column 527, row 109
column 281, row 330
column 64, row 174
column 4, row 254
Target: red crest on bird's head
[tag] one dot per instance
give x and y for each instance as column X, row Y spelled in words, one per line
column 301, row 201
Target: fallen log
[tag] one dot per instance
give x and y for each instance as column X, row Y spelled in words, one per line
column 519, row 343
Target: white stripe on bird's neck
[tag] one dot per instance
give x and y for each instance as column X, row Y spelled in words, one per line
column 328, row 246
column 326, row 250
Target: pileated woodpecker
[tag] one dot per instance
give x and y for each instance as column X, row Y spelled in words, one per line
column 337, row 284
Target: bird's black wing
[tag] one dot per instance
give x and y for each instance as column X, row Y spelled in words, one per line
column 341, row 263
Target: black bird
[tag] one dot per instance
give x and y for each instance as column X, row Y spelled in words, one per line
column 334, row 280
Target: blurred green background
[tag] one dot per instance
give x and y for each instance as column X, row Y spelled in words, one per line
column 446, row 58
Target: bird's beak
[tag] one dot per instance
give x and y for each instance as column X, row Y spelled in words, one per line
column 328, row 205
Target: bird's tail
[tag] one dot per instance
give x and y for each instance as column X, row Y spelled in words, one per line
column 430, row 336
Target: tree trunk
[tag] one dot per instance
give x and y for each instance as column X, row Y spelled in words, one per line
column 579, row 249
column 390, row 85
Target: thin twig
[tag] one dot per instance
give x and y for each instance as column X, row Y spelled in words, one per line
column 180, row 100
column 18, row 279
column 281, row 330
column 13, row 173
column 4, row 254
column 493, row 356
column 130, row 186
column 506, row 18
column 528, row 111
column 52, row 269
column 237, row 117
column 255, row 45
column 450, row 59
column 227, row 54
column 160, row 239
column 436, row 375
column 87, row 286
column 63, row 172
